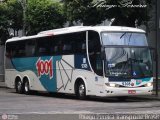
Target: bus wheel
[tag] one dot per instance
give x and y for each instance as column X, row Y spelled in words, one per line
column 26, row 88
column 81, row 90
column 18, row 87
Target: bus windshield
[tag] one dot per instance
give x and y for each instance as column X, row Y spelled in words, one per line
column 124, row 38
column 127, row 55
column 128, row 62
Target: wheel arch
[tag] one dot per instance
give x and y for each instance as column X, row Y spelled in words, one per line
column 80, row 79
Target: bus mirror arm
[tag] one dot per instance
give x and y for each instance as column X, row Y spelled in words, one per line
column 103, row 64
column 102, row 53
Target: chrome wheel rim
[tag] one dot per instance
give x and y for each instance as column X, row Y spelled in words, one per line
column 19, row 85
column 26, row 87
column 81, row 90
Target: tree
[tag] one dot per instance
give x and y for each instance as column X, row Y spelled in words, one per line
column 15, row 15
column 128, row 13
column 92, row 12
column 10, row 18
column 82, row 10
column 43, row 15
column 3, row 23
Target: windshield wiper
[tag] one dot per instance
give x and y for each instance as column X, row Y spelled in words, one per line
column 123, row 35
column 129, row 36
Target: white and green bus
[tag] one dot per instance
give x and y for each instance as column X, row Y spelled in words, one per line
column 85, row 61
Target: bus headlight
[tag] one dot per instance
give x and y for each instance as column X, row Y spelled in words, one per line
column 112, row 84
column 148, row 84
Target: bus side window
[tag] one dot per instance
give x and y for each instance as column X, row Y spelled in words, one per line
column 8, row 50
column 20, row 49
column 66, row 48
column 13, row 49
column 55, row 50
column 43, row 46
column 60, row 47
column 80, row 44
column 30, row 48
column 67, row 44
column 83, row 47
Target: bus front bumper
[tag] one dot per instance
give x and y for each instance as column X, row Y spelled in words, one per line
column 113, row 91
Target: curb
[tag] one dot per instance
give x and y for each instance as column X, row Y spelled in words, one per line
column 2, row 85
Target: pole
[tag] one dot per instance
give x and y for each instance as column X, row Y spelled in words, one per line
column 156, row 47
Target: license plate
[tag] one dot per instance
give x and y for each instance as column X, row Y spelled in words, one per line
column 131, row 91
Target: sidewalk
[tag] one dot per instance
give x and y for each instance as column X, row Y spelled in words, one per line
column 152, row 97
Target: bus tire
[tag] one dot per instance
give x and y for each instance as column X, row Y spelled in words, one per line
column 18, row 86
column 26, row 87
column 81, row 90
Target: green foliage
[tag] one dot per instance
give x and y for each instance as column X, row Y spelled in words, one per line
column 10, row 17
column 15, row 14
column 80, row 10
column 49, row 14
column 41, row 15
column 92, row 12
column 126, row 16
column 3, row 23
column 44, row 15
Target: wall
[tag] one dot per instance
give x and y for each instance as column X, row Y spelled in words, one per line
column 1, row 63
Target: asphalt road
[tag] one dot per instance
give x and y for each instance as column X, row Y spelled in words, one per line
column 41, row 106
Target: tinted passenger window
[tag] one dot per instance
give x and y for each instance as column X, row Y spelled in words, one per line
column 72, row 43
column 16, row 49
column 67, row 44
column 30, row 48
column 43, row 46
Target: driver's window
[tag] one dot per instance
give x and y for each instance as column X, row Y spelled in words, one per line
column 94, row 49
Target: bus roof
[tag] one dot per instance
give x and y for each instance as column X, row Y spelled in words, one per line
column 95, row 28
column 26, row 37
column 78, row 29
